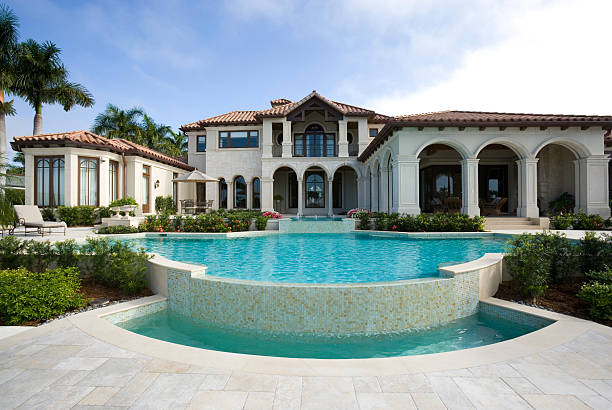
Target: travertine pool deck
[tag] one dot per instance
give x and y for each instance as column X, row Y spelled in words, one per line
column 83, row 361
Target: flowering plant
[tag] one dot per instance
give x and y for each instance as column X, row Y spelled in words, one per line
column 272, row 215
column 353, row 212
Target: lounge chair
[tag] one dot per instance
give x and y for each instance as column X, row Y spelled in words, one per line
column 30, row 217
column 493, row 207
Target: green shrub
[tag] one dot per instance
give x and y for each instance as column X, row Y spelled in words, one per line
column 165, row 205
column 48, row 214
column 530, row 270
column 596, row 252
column 261, row 222
column 67, row 253
column 128, row 200
column 599, row 297
column 37, row 255
column 77, row 215
column 561, row 254
column 438, row 222
column 102, row 212
column 580, row 221
column 563, row 204
column 11, row 248
column 380, row 221
column 26, row 296
column 603, row 276
column 116, row 264
column 118, row 229
column 364, row 219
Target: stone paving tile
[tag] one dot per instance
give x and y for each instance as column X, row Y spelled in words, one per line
column 215, row 382
column 494, row 370
column 97, row 348
column 56, row 397
column 381, row 401
column 99, row 396
column 47, row 358
column 428, row 401
column 594, row 346
column 452, row 373
column 555, row 402
column 450, row 394
column 490, row 393
column 170, row 391
column 521, row 385
column 132, row 391
column 551, row 380
column 251, row 382
column 577, row 365
column 80, row 363
column 328, row 392
column 596, row 402
column 602, row 387
column 114, row 373
column 29, row 350
column 8, row 374
column 165, row 366
column 288, row 393
column 25, row 385
column 72, row 377
column 82, row 407
column 68, row 336
column 259, row 400
column 410, row 383
column 217, row 400
column 366, row 385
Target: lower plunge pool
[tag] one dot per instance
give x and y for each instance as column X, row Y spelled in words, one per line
column 472, row 331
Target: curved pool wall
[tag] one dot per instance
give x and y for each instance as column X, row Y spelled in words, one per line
column 316, row 225
column 327, row 308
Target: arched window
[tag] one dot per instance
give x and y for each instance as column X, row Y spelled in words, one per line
column 349, row 138
column 315, row 190
column 389, row 185
column 256, row 194
column 49, row 181
column 88, row 181
column 240, row 193
column 314, row 142
column 222, row 194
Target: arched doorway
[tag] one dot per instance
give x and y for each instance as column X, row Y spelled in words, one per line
column 240, row 193
column 256, row 194
column 556, row 179
column 222, row 193
column 316, row 191
column 344, row 190
column 440, row 183
column 498, row 180
column 285, row 190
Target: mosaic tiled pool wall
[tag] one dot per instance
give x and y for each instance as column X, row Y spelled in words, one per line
column 515, row 316
column 325, row 309
column 314, row 226
column 133, row 313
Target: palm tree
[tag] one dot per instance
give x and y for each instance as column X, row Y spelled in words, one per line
column 8, row 43
column 117, row 123
column 175, row 144
column 152, row 134
column 41, row 78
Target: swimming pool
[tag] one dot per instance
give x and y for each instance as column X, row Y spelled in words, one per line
column 323, row 258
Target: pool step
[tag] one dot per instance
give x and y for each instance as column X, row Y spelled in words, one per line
column 512, row 223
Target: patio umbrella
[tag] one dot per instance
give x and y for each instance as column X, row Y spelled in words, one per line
column 195, row 176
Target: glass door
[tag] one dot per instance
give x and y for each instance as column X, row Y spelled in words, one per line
column 146, row 188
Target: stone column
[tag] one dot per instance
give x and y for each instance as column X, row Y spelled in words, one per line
column 266, row 141
column 528, row 188
column 384, row 190
column 469, row 187
column 342, row 139
column 71, row 180
column 287, row 139
column 362, row 192
column 330, row 195
column 591, row 185
column 249, row 204
column 230, row 194
column 103, row 183
column 374, row 206
column 300, row 197
column 267, row 194
column 363, row 138
column 406, row 178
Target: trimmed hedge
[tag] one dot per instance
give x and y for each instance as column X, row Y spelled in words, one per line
column 26, row 296
column 580, row 221
column 117, row 229
column 598, row 293
column 438, row 222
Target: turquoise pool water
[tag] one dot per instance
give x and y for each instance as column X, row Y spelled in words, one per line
column 316, row 218
column 321, row 258
column 472, row 331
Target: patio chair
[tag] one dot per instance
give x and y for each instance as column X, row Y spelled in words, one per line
column 30, row 217
column 9, row 228
column 493, row 207
column 452, row 204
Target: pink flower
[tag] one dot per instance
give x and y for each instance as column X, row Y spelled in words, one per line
column 394, row 227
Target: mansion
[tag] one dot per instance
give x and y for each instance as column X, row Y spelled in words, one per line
column 316, row 156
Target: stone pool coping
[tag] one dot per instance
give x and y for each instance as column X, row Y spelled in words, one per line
column 564, row 329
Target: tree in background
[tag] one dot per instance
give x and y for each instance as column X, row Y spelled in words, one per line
column 41, row 78
column 175, row 144
column 152, row 134
column 8, row 43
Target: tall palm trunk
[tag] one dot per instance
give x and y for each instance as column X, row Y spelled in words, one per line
column 3, row 159
column 38, row 120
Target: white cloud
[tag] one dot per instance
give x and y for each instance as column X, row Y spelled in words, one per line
column 554, row 58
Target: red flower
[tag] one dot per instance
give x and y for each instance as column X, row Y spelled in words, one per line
column 394, row 227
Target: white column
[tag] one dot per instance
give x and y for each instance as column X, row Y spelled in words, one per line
column 230, row 194
column 469, row 187
column 300, row 197
column 266, row 141
column 103, row 184
column 249, row 203
column 362, row 134
column 342, row 139
column 287, row 139
column 71, row 180
column 362, row 192
column 374, row 206
column 528, row 188
column 384, row 190
column 330, row 199
column 267, row 194
column 592, row 185
column 30, row 170
column 406, row 178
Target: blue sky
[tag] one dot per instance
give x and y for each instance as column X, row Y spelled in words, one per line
column 183, row 60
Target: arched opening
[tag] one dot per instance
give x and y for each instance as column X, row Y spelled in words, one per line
column 256, row 194
column 285, row 190
column 240, row 193
column 314, row 185
column 389, row 181
column 440, row 182
column 497, row 180
column 344, row 190
column 222, row 194
column 556, row 179
column 315, row 141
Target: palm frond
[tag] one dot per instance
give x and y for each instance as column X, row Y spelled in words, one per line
column 7, row 108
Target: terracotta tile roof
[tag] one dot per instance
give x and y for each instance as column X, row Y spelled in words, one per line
column 483, row 119
column 280, row 108
column 87, row 139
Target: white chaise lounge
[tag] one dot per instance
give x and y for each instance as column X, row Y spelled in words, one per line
column 30, row 217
